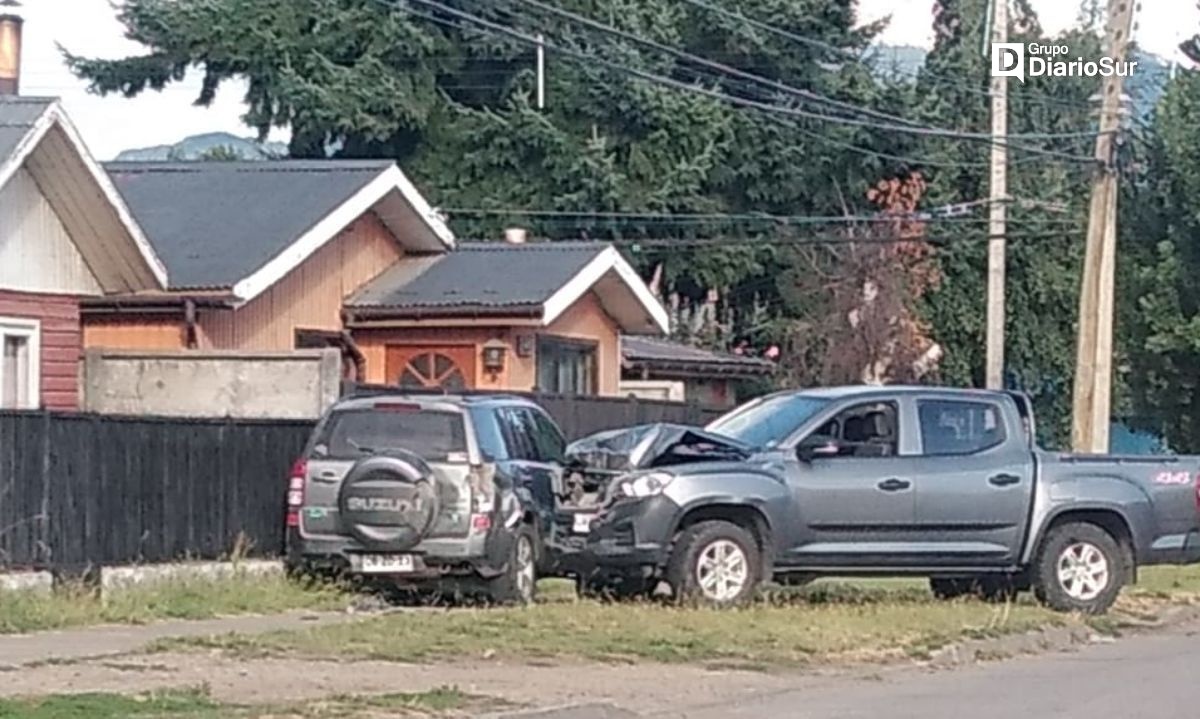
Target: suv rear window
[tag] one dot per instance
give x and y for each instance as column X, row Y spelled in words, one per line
column 433, row 435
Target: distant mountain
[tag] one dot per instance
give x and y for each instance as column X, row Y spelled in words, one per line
column 196, row 146
column 896, row 61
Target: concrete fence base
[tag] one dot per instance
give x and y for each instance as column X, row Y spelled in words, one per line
column 117, row 578
column 26, row 582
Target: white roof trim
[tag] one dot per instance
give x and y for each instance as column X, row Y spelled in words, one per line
column 610, row 260
column 54, row 115
column 389, row 180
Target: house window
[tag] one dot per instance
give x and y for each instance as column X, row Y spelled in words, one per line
column 20, row 358
column 566, row 366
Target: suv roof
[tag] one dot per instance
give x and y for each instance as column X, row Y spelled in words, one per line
column 365, row 399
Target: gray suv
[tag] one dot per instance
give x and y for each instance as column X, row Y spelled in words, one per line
column 406, row 488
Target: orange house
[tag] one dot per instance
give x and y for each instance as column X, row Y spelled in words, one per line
column 297, row 254
column 546, row 316
column 259, row 255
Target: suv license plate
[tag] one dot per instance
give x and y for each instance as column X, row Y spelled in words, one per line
column 385, row 563
column 583, row 523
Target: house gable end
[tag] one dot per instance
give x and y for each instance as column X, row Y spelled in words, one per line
column 37, row 253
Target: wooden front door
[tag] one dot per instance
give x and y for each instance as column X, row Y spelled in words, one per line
column 447, row 366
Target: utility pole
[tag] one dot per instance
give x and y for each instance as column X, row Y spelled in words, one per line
column 997, row 210
column 541, row 72
column 1093, row 366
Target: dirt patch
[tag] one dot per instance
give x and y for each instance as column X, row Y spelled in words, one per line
column 277, row 680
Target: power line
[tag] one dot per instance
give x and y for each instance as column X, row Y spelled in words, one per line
column 925, row 162
column 905, row 124
column 705, row 62
column 936, row 215
column 895, row 123
column 831, row 240
column 828, row 47
column 670, row 82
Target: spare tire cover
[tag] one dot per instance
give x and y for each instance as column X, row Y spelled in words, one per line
column 389, row 502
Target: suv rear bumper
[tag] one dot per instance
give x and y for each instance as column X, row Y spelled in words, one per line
column 484, row 555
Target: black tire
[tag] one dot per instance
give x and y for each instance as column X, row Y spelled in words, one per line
column 951, row 587
column 518, row 583
column 1075, row 545
column 684, row 570
column 989, row 588
column 615, row 589
column 795, row 580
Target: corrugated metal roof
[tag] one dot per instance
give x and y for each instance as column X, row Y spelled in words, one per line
column 650, row 351
column 485, row 275
column 215, row 223
column 17, row 117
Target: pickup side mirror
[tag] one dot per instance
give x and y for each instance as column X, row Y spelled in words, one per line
column 817, row 447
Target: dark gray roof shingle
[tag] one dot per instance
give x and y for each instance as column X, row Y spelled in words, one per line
column 485, row 276
column 215, row 223
column 651, row 352
column 17, row 117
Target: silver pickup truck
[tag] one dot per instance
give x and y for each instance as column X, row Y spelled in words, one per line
column 941, row 483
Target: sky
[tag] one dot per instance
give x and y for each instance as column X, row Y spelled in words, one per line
column 112, row 124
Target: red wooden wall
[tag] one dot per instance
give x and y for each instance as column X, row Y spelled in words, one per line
column 61, row 342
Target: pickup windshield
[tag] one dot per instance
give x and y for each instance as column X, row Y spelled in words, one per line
column 767, row 423
column 432, row 435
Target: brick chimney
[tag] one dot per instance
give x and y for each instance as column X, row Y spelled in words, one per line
column 10, row 47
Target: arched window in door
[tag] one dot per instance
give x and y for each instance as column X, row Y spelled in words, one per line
column 432, row 369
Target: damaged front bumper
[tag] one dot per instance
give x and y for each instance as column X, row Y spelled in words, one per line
column 629, row 537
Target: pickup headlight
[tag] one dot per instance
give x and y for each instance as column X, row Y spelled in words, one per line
column 647, row 485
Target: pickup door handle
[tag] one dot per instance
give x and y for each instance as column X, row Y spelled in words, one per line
column 1004, row 480
column 894, row 485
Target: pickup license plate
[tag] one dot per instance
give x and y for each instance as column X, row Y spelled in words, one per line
column 384, row 563
column 583, row 523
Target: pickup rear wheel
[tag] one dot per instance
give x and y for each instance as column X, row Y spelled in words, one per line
column 715, row 562
column 1079, row 568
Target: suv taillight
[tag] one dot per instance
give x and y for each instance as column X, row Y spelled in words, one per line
column 295, row 495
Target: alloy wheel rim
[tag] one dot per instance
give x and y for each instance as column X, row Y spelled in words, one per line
column 1083, row 571
column 722, row 570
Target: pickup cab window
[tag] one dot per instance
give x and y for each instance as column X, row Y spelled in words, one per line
column 864, row 430
column 954, row 427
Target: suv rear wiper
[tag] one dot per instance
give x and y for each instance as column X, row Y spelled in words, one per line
column 359, row 448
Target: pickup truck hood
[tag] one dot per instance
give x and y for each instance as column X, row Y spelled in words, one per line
column 650, row 446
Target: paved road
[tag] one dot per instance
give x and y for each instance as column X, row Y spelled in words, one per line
column 1146, row 677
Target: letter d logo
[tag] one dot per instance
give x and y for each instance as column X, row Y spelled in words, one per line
column 1008, row 60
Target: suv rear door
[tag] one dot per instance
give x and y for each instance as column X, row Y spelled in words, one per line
column 976, row 480
column 437, row 435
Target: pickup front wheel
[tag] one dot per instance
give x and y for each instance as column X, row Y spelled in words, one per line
column 716, row 563
column 1080, row 568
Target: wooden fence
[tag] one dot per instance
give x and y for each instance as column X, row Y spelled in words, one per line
column 81, row 490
